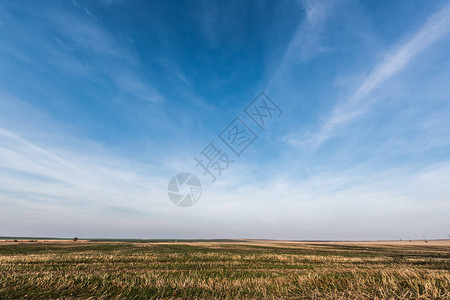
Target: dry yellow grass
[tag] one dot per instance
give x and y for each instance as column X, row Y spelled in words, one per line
column 241, row 269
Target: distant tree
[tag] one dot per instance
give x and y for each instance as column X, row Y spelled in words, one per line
column 75, row 239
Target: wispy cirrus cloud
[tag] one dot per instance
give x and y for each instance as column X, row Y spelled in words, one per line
column 73, row 181
column 435, row 28
column 133, row 86
column 70, row 188
column 305, row 43
column 94, row 40
column 79, row 157
column 78, row 44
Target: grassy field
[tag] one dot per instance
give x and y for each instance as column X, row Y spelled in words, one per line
column 240, row 269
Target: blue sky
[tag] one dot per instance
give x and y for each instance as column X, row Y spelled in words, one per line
column 102, row 102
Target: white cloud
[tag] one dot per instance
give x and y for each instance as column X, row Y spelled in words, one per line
column 436, row 27
column 101, row 45
column 114, row 197
column 305, row 43
column 132, row 85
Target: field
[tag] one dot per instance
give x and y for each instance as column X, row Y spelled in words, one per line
column 221, row 269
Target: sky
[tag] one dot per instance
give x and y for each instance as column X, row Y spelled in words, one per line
column 103, row 102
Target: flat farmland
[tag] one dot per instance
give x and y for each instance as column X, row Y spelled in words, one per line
column 238, row 269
